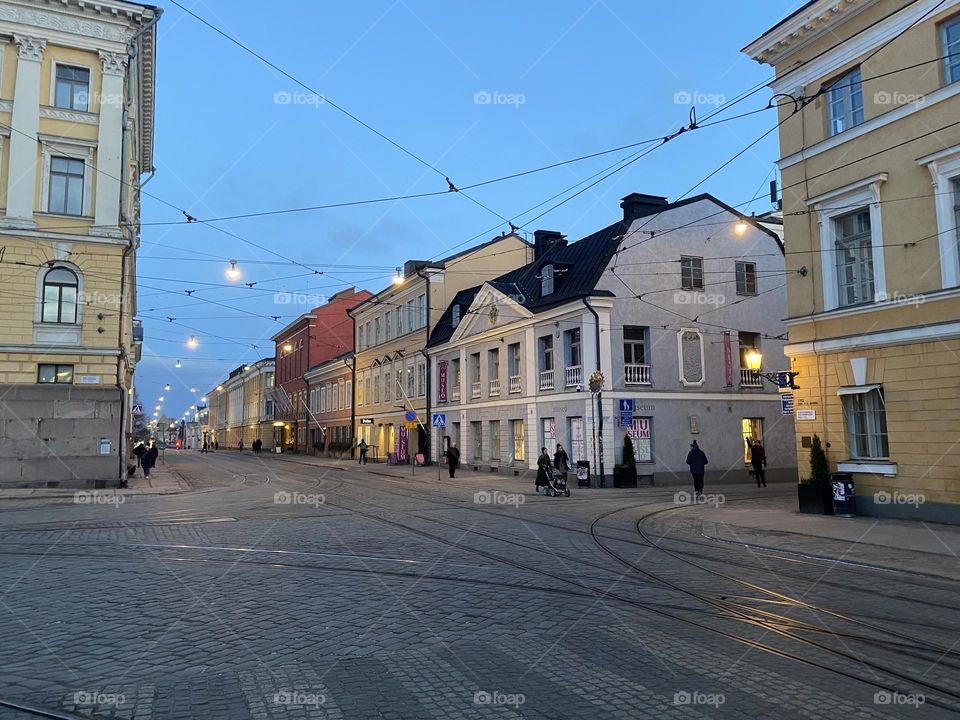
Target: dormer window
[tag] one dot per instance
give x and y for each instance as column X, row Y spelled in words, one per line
column 546, row 280
column 456, row 315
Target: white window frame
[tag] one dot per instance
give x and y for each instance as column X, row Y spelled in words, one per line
column 835, row 204
column 862, row 266
column 944, row 168
column 546, row 280
column 75, row 149
column 842, row 83
column 872, row 419
column 53, row 87
column 948, row 77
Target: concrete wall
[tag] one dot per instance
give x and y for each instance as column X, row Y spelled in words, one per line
column 52, row 433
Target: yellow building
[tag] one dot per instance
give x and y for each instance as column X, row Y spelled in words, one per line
column 869, row 98
column 241, row 409
column 76, row 135
column 391, row 366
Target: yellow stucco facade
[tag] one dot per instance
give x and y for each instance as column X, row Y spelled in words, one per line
column 870, row 170
column 76, row 92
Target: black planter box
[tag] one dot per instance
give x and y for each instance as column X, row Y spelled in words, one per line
column 624, row 476
column 814, row 498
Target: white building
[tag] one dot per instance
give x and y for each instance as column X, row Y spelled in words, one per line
column 665, row 303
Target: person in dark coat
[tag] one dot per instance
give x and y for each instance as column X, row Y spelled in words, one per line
column 216, row 445
column 240, row 446
column 758, row 458
column 204, row 448
column 453, row 458
column 149, row 459
column 560, row 460
column 362, row 447
column 697, row 460
column 139, row 451
column 543, row 470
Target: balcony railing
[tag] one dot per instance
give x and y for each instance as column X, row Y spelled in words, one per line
column 748, row 378
column 573, row 376
column 494, row 387
column 475, row 390
column 636, row 374
column 455, row 392
column 546, row 380
column 514, row 383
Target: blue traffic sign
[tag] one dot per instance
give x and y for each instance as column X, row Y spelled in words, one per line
column 626, row 406
column 410, row 415
column 786, row 403
column 439, row 420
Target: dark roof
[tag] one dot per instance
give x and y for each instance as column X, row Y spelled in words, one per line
column 444, row 327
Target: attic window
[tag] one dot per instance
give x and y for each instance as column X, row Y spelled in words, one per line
column 456, row 315
column 546, row 280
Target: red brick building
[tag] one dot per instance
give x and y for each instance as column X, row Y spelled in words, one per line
column 312, row 339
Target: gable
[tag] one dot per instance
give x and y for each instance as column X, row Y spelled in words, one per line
column 490, row 310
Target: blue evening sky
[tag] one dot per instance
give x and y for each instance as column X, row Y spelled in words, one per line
column 478, row 90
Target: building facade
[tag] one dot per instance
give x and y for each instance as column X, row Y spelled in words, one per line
column 241, row 409
column 391, row 383
column 870, row 165
column 330, row 426
column 77, row 105
column 309, row 341
column 660, row 304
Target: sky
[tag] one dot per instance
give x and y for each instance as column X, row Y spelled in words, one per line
column 469, row 91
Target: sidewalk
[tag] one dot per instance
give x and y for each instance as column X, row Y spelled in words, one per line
column 162, row 481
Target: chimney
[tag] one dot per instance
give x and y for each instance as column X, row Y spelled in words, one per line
column 545, row 241
column 637, row 205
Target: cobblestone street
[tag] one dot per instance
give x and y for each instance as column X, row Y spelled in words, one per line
column 291, row 589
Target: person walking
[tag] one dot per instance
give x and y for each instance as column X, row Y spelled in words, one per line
column 697, row 460
column 204, row 448
column 362, row 447
column 758, row 458
column 543, row 470
column 139, row 452
column 149, row 459
column 453, row 459
column 560, row 460
column 240, row 445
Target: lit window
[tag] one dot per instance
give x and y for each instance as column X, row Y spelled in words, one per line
column 845, row 102
column 60, row 288
column 866, row 420
column 72, row 88
column 854, row 258
column 950, row 46
column 66, row 186
column 691, row 273
column 746, row 278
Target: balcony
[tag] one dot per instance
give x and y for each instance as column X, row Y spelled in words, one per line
column 494, row 387
column 573, row 376
column 515, row 383
column 455, row 393
column 748, row 378
column 636, row 374
column 475, row 390
column 546, row 380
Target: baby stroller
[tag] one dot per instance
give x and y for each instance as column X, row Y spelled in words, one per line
column 557, row 485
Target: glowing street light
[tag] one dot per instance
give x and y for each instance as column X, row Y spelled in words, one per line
column 178, row 365
column 192, row 342
column 398, row 278
column 232, row 272
column 741, row 227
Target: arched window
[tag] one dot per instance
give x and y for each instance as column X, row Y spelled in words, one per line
column 60, row 288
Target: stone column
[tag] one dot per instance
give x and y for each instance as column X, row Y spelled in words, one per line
column 110, row 145
column 25, row 122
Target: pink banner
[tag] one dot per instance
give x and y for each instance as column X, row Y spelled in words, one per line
column 402, row 446
column 728, row 359
column 442, row 390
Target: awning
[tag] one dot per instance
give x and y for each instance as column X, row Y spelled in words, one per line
column 857, row 389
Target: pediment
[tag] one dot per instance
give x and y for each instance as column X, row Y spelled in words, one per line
column 491, row 309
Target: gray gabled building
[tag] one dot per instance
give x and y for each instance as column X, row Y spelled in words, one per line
column 665, row 302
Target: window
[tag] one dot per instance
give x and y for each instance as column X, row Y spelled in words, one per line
column 748, row 341
column 950, row 50
column 493, row 364
column 368, row 390
column 410, row 388
column 359, row 338
column 513, row 359
column 399, row 320
column 421, row 311
column 376, row 389
column 752, row 429
column 955, row 184
column 546, row 353
column 548, row 435
column 386, row 386
column 494, row 439
column 410, row 325
column 399, row 386
column 746, row 278
column 635, row 345
column 577, row 445
column 866, row 419
column 455, row 315
column 845, row 102
column 360, row 393
column 66, row 186
column 476, row 429
column 323, row 400
column 691, row 273
column 516, row 427
column 72, row 88
column 388, row 325
column 574, row 358
column 59, row 301
column 376, row 331
column 348, row 395
column 55, row 374
column 421, row 380
column 368, row 333
column 546, row 280
column 854, row 258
